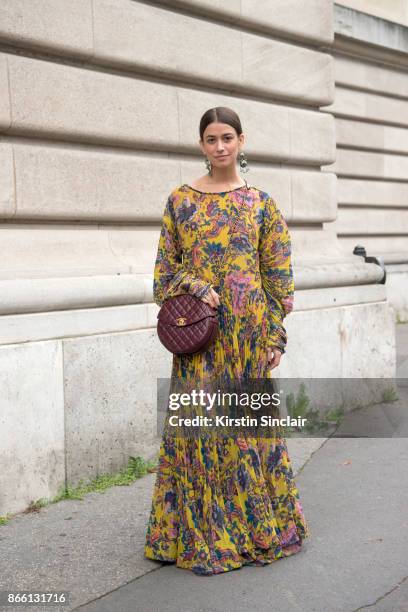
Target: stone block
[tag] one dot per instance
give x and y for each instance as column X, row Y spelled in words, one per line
column 315, row 245
column 70, row 102
column 309, row 333
column 324, row 274
column 355, row 72
column 56, row 251
column 7, row 182
column 136, row 247
column 370, row 106
column 310, row 20
column 110, row 398
column 25, row 295
column 31, row 424
column 296, row 19
column 326, row 297
column 364, row 164
column 151, row 37
column 48, row 24
column 356, row 341
column 289, row 71
column 5, row 110
column 70, row 182
column 380, row 27
column 367, row 334
column 372, row 193
column 312, row 137
column 353, row 220
column 314, row 196
column 363, row 135
column 35, row 326
column 397, row 290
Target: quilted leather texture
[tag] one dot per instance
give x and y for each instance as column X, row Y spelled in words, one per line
column 186, row 324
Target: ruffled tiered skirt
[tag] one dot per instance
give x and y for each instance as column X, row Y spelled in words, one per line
column 220, row 503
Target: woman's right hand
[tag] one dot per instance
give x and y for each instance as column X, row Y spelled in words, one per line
column 212, row 298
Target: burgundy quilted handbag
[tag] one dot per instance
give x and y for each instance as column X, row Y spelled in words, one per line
column 186, row 324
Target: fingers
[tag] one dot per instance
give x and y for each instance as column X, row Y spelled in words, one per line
column 216, row 297
column 212, row 298
column 273, row 357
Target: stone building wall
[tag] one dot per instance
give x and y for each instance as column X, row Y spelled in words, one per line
column 99, row 108
column 371, row 123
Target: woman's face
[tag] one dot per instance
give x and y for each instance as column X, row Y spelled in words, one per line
column 221, row 144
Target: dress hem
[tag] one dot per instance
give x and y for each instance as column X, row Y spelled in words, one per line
column 287, row 551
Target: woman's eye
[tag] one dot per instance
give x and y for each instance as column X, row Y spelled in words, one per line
column 228, row 138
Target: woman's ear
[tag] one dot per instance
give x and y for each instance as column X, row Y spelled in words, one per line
column 200, row 142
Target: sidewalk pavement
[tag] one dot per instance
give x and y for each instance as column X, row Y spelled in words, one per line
column 355, row 496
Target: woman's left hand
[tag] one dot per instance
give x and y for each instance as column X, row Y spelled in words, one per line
column 274, row 356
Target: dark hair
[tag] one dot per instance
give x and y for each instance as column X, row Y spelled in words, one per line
column 220, row 114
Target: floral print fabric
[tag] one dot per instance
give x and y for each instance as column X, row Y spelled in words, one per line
column 223, row 502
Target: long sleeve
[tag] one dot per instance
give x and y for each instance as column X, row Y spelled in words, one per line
column 276, row 272
column 170, row 277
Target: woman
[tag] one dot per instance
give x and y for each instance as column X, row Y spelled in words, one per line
column 219, row 504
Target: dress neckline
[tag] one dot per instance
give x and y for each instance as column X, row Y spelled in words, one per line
column 245, row 186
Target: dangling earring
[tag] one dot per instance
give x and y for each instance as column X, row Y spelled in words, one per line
column 208, row 165
column 243, row 162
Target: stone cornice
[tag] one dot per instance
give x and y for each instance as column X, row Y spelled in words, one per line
column 374, row 37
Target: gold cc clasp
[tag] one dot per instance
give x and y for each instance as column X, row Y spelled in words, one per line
column 181, row 321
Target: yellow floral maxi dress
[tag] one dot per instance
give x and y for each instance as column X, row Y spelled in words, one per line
column 221, row 504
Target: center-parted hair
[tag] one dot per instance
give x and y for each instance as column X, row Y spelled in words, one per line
column 220, row 114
